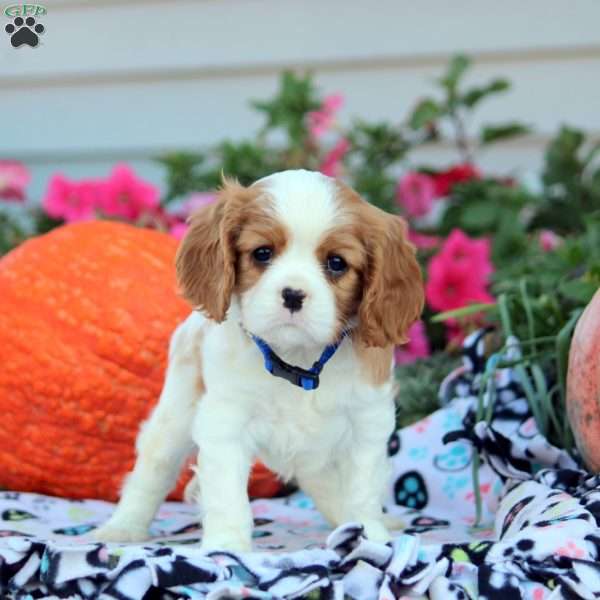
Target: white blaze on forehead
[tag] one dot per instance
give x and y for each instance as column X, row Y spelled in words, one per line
column 305, row 201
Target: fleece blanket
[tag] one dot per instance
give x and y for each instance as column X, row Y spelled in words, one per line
column 538, row 536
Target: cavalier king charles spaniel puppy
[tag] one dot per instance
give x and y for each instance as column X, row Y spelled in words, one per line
column 301, row 290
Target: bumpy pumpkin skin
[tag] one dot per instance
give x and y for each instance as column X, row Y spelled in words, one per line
column 86, row 313
column 583, row 384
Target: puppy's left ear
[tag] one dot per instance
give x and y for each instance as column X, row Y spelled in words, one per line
column 393, row 297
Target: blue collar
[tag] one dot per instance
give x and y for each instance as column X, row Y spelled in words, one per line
column 307, row 379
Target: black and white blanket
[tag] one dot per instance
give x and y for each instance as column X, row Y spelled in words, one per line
column 538, row 538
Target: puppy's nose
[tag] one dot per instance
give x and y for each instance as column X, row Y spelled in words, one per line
column 292, row 299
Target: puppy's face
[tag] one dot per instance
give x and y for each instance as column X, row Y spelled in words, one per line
column 305, row 258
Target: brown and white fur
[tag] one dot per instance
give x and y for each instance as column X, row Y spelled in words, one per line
column 219, row 397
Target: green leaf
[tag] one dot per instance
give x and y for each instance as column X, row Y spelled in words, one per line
column 375, row 187
column 578, row 290
column 182, row 169
column 381, row 143
column 246, row 160
column 456, row 69
column 591, row 154
column 473, row 96
column 287, row 110
column 494, row 133
column 480, row 216
column 505, row 315
column 465, row 311
column 562, row 162
column 420, row 386
column 424, row 113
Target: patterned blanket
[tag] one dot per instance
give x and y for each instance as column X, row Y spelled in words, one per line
column 538, row 537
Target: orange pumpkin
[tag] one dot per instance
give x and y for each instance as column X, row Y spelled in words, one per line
column 86, row 313
column 583, row 384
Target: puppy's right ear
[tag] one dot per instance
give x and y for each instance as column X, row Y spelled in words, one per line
column 206, row 259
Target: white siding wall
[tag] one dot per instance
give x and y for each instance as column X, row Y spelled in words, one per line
column 128, row 80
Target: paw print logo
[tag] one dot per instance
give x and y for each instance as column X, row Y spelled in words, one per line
column 457, row 458
column 24, row 31
column 410, row 490
column 454, row 484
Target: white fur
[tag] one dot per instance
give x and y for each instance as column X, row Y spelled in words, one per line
column 332, row 440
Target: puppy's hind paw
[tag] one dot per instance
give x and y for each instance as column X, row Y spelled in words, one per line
column 110, row 532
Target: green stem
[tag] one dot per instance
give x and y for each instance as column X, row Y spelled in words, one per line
column 505, row 315
column 538, row 340
column 491, row 397
column 528, row 311
column 476, row 460
column 541, row 392
column 532, row 399
column 460, row 135
column 476, row 491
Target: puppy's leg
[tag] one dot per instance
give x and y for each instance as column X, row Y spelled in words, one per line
column 365, row 470
column 323, row 487
column 162, row 445
column 224, row 459
column 366, row 473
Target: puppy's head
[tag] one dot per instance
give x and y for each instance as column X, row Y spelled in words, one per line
column 304, row 257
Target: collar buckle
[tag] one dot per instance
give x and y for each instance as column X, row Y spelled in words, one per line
column 295, row 375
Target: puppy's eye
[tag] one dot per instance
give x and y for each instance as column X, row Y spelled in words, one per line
column 263, row 255
column 336, row 265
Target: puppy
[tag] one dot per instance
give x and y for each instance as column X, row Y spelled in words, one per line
column 294, row 270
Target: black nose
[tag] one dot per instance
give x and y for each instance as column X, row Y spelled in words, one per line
column 292, row 299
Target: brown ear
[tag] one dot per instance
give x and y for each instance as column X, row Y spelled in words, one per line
column 206, row 258
column 393, row 297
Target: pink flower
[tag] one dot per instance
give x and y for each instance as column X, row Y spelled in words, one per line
column 14, row 178
column 332, row 162
column 423, row 241
column 459, row 273
column 178, row 229
column 70, row 200
column 416, row 193
column 417, row 346
column 127, row 196
column 196, row 201
column 333, row 103
column 549, row 241
column 320, row 121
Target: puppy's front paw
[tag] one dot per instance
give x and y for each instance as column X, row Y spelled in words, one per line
column 115, row 532
column 226, row 541
column 376, row 531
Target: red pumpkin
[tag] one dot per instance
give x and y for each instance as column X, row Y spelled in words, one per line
column 86, row 313
column 583, row 384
